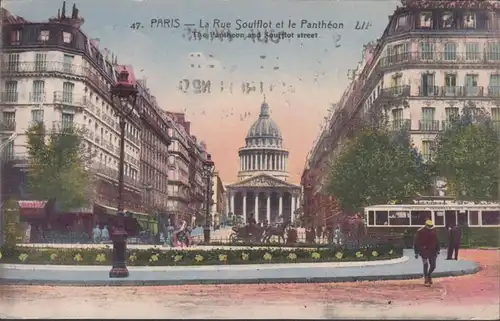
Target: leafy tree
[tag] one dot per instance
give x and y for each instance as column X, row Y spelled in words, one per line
column 375, row 167
column 57, row 165
column 467, row 155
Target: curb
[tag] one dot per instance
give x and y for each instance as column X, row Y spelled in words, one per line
column 233, row 267
column 125, row 282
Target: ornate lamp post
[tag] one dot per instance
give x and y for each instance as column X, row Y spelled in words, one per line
column 208, row 170
column 126, row 92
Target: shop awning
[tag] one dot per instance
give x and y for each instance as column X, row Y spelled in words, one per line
column 32, row 204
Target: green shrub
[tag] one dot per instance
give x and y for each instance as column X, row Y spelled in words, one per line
column 10, row 225
column 157, row 257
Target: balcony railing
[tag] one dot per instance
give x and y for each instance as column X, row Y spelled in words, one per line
column 396, row 91
column 37, row 97
column 400, row 124
column 446, row 124
column 58, row 67
column 68, row 98
column 68, row 126
column 494, row 91
column 103, row 169
column 10, row 97
column 451, row 91
column 428, row 125
column 439, row 57
column 7, row 125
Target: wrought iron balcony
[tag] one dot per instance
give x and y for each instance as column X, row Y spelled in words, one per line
column 396, row 91
column 434, row 57
column 7, row 125
column 400, row 124
column 68, row 127
column 428, row 125
column 429, row 91
column 69, row 99
column 494, row 91
column 102, row 169
column 10, row 97
column 37, row 97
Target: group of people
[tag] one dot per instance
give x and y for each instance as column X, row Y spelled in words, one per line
column 176, row 235
column 427, row 246
column 100, row 235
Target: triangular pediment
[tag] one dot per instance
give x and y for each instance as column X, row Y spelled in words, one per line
column 262, row 180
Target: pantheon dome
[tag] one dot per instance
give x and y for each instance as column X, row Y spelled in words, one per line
column 262, row 190
column 263, row 151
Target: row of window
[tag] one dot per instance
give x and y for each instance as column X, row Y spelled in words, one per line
column 450, row 51
column 446, row 20
column 43, row 36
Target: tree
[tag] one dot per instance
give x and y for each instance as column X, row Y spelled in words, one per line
column 467, row 154
column 57, row 165
column 375, row 167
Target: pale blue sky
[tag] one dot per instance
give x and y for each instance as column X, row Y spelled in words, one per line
column 314, row 67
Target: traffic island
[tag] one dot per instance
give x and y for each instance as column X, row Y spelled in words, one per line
column 102, row 255
column 402, row 268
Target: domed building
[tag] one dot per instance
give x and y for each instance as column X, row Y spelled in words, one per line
column 262, row 189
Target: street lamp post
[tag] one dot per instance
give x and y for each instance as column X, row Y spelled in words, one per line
column 126, row 92
column 208, row 170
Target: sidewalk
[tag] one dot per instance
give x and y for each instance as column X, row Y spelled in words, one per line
column 404, row 268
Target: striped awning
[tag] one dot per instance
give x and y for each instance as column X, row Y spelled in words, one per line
column 32, row 204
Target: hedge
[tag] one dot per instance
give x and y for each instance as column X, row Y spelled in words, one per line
column 472, row 237
column 157, row 257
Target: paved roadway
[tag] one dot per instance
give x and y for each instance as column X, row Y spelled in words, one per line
column 466, row 297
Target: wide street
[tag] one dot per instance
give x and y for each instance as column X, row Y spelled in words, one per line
column 466, row 297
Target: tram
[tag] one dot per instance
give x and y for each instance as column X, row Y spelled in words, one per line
column 442, row 215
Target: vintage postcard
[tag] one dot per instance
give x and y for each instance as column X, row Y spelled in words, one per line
column 297, row 159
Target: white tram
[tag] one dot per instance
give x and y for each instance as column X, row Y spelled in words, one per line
column 444, row 214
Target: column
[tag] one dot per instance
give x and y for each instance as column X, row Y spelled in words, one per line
column 280, row 206
column 245, row 206
column 261, row 161
column 282, row 162
column 433, row 218
column 292, row 210
column 286, row 163
column 241, row 163
column 232, row 202
column 256, row 209
column 266, row 161
column 227, row 205
column 256, row 162
column 268, row 207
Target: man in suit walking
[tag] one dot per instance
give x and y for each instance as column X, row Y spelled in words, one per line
column 454, row 237
column 426, row 246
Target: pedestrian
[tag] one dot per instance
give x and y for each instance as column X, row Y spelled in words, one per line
column 427, row 246
column 454, row 236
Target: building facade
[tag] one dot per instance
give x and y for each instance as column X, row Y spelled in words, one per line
column 218, row 208
column 186, row 185
column 53, row 73
column 433, row 59
column 262, row 190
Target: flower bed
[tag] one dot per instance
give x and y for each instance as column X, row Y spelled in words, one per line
column 155, row 257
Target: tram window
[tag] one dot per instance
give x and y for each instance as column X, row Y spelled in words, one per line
column 382, row 218
column 439, row 219
column 371, row 218
column 462, row 218
column 419, row 217
column 473, row 218
column 491, row 218
column 399, row 218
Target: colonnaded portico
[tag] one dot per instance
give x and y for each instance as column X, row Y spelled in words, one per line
column 262, row 189
column 265, row 198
